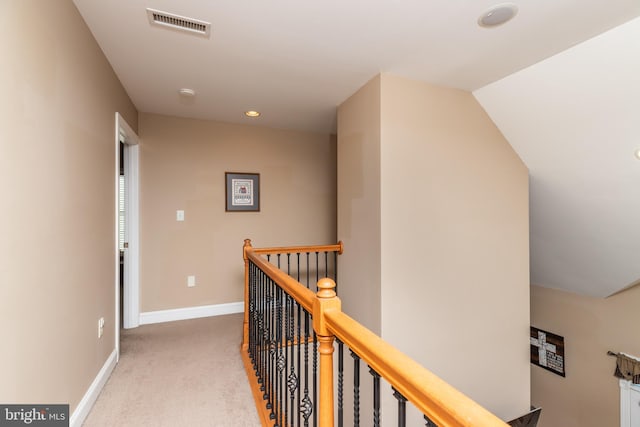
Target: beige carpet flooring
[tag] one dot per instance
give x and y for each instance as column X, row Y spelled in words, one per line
column 185, row 373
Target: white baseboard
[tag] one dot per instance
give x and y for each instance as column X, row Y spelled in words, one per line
column 89, row 398
column 190, row 312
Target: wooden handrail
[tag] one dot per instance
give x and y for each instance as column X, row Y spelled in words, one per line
column 300, row 293
column 300, row 249
column 443, row 404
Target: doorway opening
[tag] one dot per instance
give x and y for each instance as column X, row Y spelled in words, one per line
column 127, row 312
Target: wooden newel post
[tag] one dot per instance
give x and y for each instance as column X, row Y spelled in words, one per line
column 326, row 300
column 245, row 324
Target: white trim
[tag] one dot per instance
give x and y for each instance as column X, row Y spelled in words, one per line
column 190, row 312
column 84, row 407
column 131, row 290
column 131, row 284
column 625, row 409
column 116, row 252
column 625, row 399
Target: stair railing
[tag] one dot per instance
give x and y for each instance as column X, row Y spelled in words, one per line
column 291, row 331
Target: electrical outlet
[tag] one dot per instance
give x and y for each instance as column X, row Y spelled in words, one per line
column 191, row 281
column 100, row 327
column 180, row 215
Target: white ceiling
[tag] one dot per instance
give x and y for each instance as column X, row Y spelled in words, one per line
column 575, row 120
column 296, row 61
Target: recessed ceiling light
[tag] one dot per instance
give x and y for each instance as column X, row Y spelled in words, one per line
column 187, row 92
column 637, row 153
column 498, row 15
column 252, row 113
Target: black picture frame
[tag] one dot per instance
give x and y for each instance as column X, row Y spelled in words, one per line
column 547, row 351
column 242, row 192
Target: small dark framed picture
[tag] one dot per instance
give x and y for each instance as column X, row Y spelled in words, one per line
column 242, row 192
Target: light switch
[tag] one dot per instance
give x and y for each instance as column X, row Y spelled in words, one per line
column 191, row 281
column 179, row 215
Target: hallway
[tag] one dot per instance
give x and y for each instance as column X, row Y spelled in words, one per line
column 186, row 373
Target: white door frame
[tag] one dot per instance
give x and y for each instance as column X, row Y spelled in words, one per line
column 131, row 288
column 626, row 390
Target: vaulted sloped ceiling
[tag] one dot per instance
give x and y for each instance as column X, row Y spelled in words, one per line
column 574, row 119
column 571, row 117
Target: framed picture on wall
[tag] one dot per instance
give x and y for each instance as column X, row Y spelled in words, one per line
column 242, row 192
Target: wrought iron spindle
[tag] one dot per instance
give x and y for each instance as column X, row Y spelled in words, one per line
column 251, row 309
column 292, row 381
column 376, row 397
column 280, row 364
column 317, row 271
column 335, row 270
column 340, row 383
column 258, row 324
column 356, row 389
column 272, row 350
column 402, row 408
column 326, row 264
column 307, row 407
column 287, row 343
column 259, row 330
column 428, row 422
column 262, row 333
column 315, row 380
column 298, row 349
column 308, row 272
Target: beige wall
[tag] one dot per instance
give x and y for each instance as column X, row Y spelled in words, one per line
column 359, row 204
column 451, row 240
column 455, row 243
column 57, row 161
column 589, row 394
column 182, row 166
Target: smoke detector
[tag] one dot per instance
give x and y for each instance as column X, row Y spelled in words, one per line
column 498, row 15
column 180, row 23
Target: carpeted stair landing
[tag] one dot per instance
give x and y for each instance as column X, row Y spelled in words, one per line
column 185, row 373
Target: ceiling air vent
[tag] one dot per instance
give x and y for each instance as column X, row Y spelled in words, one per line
column 176, row 22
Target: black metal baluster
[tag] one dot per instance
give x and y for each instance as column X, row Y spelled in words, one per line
column 402, row 408
column 261, row 329
column 254, row 330
column 335, row 270
column 356, row 389
column 326, row 264
column 317, row 271
column 264, row 338
column 272, row 350
column 292, row 381
column 340, row 383
column 258, row 336
column 308, row 272
column 376, row 397
column 315, row 379
column 285, row 371
column 258, row 319
column 280, row 357
column 306, row 401
column 299, row 370
column 428, row 422
column 298, row 344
